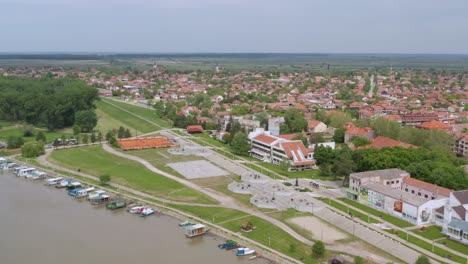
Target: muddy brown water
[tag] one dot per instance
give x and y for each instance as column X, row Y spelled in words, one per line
column 44, row 225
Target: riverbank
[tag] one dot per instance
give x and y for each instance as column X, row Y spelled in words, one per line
column 166, row 208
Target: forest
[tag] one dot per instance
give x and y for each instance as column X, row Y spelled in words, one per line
column 45, row 102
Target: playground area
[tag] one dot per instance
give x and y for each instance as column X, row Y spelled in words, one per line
column 197, row 169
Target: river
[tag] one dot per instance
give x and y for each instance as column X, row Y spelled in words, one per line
column 43, row 225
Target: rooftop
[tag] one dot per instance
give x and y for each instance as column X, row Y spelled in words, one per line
column 427, row 186
column 384, row 174
column 396, row 194
column 461, row 196
column 434, row 124
column 384, row 142
column 459, row 224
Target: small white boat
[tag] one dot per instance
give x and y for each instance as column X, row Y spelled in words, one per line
column 196, row 230
column 63, row 183
column 147, row 211
column 36, row 175
column 54, row 181
column 25, row 172
column 17, row 169
column 244, row 251
column 136, row 209
column 96, row 194
column 84, row 192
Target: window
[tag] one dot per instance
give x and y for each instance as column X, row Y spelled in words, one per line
column 393, row 182
column 406, row 189
column 465, row 236
column 425, row 196
column 398, row 181
column 412, row 191
column 439, row 217
column 388, row 183
column 432, row 198
column 419, row 193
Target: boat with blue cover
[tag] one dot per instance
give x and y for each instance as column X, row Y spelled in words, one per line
column 228, row 244
column 244, row 251
column 186, row 223
column 147, row 211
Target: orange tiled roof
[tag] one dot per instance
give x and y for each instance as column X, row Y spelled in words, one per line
column 265, row 139
column 427, row 186
column 294, row 149
column 288, row 136
column 195, row 128
column 311, row 124
column 384, row 142
column 434, row 124
column 143, row 143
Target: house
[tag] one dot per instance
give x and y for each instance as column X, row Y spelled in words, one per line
column 104, row 92
column 460, row 146
column 416, row 119
column 273, row 149
column 434, row 125
column 354, row 131
column 453, row 216
column 315, row 126
column 382, row 190
column 216, row 99
column 194, row 129
column 384, row 142
column 274, row 125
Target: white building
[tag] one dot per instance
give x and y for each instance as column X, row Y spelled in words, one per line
column 453, row 216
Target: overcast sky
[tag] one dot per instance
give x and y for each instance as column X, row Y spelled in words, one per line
column 323, row 26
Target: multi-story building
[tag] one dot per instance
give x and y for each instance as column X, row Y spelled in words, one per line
column 460, row 147
column 453, row 216
column 275, row 150
column 394, row 192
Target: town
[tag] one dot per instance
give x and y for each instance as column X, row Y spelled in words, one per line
column 365, row 151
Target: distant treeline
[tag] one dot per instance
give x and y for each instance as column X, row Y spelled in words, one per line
column 44, row 102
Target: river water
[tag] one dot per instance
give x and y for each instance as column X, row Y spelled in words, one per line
column 43, row 225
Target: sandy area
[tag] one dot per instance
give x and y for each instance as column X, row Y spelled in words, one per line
column 197, row 169
column 318, row 229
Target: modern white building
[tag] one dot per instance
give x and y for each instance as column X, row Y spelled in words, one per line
column 453, row 216
column 275, row 150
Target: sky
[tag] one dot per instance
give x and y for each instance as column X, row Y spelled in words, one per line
column 235, row 26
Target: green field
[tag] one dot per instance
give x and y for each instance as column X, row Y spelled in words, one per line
column 111, row 117
column 265, row 233
column 95, row 161
column 454, row 245
column 138, row 113
column 50, row 136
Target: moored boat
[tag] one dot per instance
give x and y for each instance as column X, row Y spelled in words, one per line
column 73, row 185
column 228, row 244
column 84, row 192
column 74, row 192
column 186, row 223
column 232, row 247
column 36, row 175
column 136, row 209
column 244, row 251
column 54, row 181
column 147, row 211
column 96, row 194
column 116, row 204
column 101, row 199
column 25, row 172
column 196, row 230
column 63, row 183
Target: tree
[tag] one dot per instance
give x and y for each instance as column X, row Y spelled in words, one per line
column 113, row 142
column 105, row 179
column 318, row 249
column 339, row 119
column 127, row 133
column 85, row 139
column 41, row 137
column 28, row 131
column 284, row 165
column 121, row 132
column 109, row 134
column 324, row 155
column 240, row 144
column 422, row 260
column 76, row 129
column 301, row 137
column 93, row 137
column 294, row 119
column 338, row 137
column 14, row 142
column 99, row 137
column 32, row 149
column 360, row 141
column 86, row 119
column 316, row 138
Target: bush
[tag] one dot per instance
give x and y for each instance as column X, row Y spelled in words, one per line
column 422, row 260
column 28, row 131
column 318, row 249
column 41, row 137
column 14, row 142
column 32, row 149
column 114, row 143
column 358, row 260
column 104, row 179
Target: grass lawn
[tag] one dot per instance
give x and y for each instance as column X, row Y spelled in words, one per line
column 345, row 209
column 50, row 136
column 118, row 116
column 265, row 233
column 4, row 123
column 428, row 246
column 386, row 217
column 107, row 122
column 454, row 245
column 95, row 161
column 431, row 232
column 149, row 114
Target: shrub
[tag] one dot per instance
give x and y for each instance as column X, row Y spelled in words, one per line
column 32, row 149
column 318, row 249
column 104, row 179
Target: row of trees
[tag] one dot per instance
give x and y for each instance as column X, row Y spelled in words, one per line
column 45, row 102
column 435, row 167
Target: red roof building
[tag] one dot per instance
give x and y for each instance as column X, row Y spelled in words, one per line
column 434, row 125
column 384, row 142
column 195, row 129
